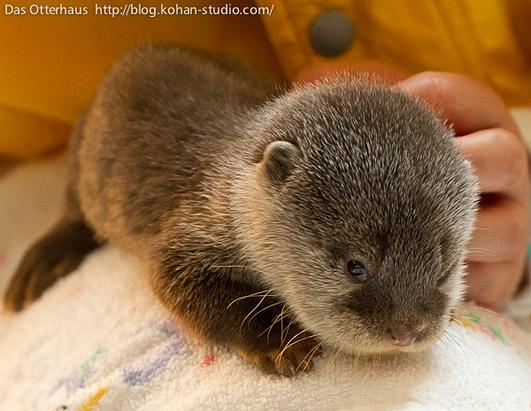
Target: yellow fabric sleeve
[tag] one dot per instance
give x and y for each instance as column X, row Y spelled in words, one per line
column 50, row 66
column 488, row 40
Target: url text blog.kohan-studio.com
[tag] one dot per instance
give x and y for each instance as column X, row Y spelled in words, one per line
column 131, row 9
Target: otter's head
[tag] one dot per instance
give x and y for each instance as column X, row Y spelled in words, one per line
column 356, row 211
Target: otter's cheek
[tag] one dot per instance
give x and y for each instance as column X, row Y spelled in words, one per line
column 347, row 333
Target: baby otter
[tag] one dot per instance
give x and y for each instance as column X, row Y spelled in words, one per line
column 270, row 222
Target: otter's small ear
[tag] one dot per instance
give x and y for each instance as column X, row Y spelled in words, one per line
column 278, row 160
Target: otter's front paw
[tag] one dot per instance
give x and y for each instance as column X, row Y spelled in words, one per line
column 288, row 359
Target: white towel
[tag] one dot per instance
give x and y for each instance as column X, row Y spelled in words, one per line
column 99, row 340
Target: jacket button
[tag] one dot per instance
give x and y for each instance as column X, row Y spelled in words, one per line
column 331, row 34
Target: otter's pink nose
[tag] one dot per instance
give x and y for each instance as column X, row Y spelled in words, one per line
column 401, row 337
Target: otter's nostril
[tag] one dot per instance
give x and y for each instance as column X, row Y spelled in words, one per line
column 401, row 337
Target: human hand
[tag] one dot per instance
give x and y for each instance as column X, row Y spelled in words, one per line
column 489, row 138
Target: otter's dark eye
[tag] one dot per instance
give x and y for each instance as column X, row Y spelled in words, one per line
column 356, row 271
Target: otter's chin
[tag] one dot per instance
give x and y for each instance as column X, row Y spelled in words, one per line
column 380, row 347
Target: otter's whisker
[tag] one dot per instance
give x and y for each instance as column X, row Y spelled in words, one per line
column 275, row 321
column 287, row 330
column 255, row 307
column 455, row 341
column 257, row 294
column 282, row 323
column 289, row 344
column 460, row 342
column 447, row 339
column 279, row 356
column 270, row 328
column 315, row 350
column 311, row 353
column 265, row 308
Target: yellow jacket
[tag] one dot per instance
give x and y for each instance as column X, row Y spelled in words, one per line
column 51, row 65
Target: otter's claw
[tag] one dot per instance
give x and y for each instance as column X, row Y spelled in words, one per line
column 289, row 360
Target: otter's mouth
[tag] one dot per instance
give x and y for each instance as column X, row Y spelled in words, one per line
column 378, row 345
column 377, row 350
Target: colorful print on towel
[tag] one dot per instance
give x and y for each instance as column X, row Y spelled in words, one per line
column 494, row 326
column 147, row 365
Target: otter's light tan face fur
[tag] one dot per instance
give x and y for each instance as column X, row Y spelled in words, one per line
column 356, row 172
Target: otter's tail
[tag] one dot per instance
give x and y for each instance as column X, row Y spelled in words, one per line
column 52, row 257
